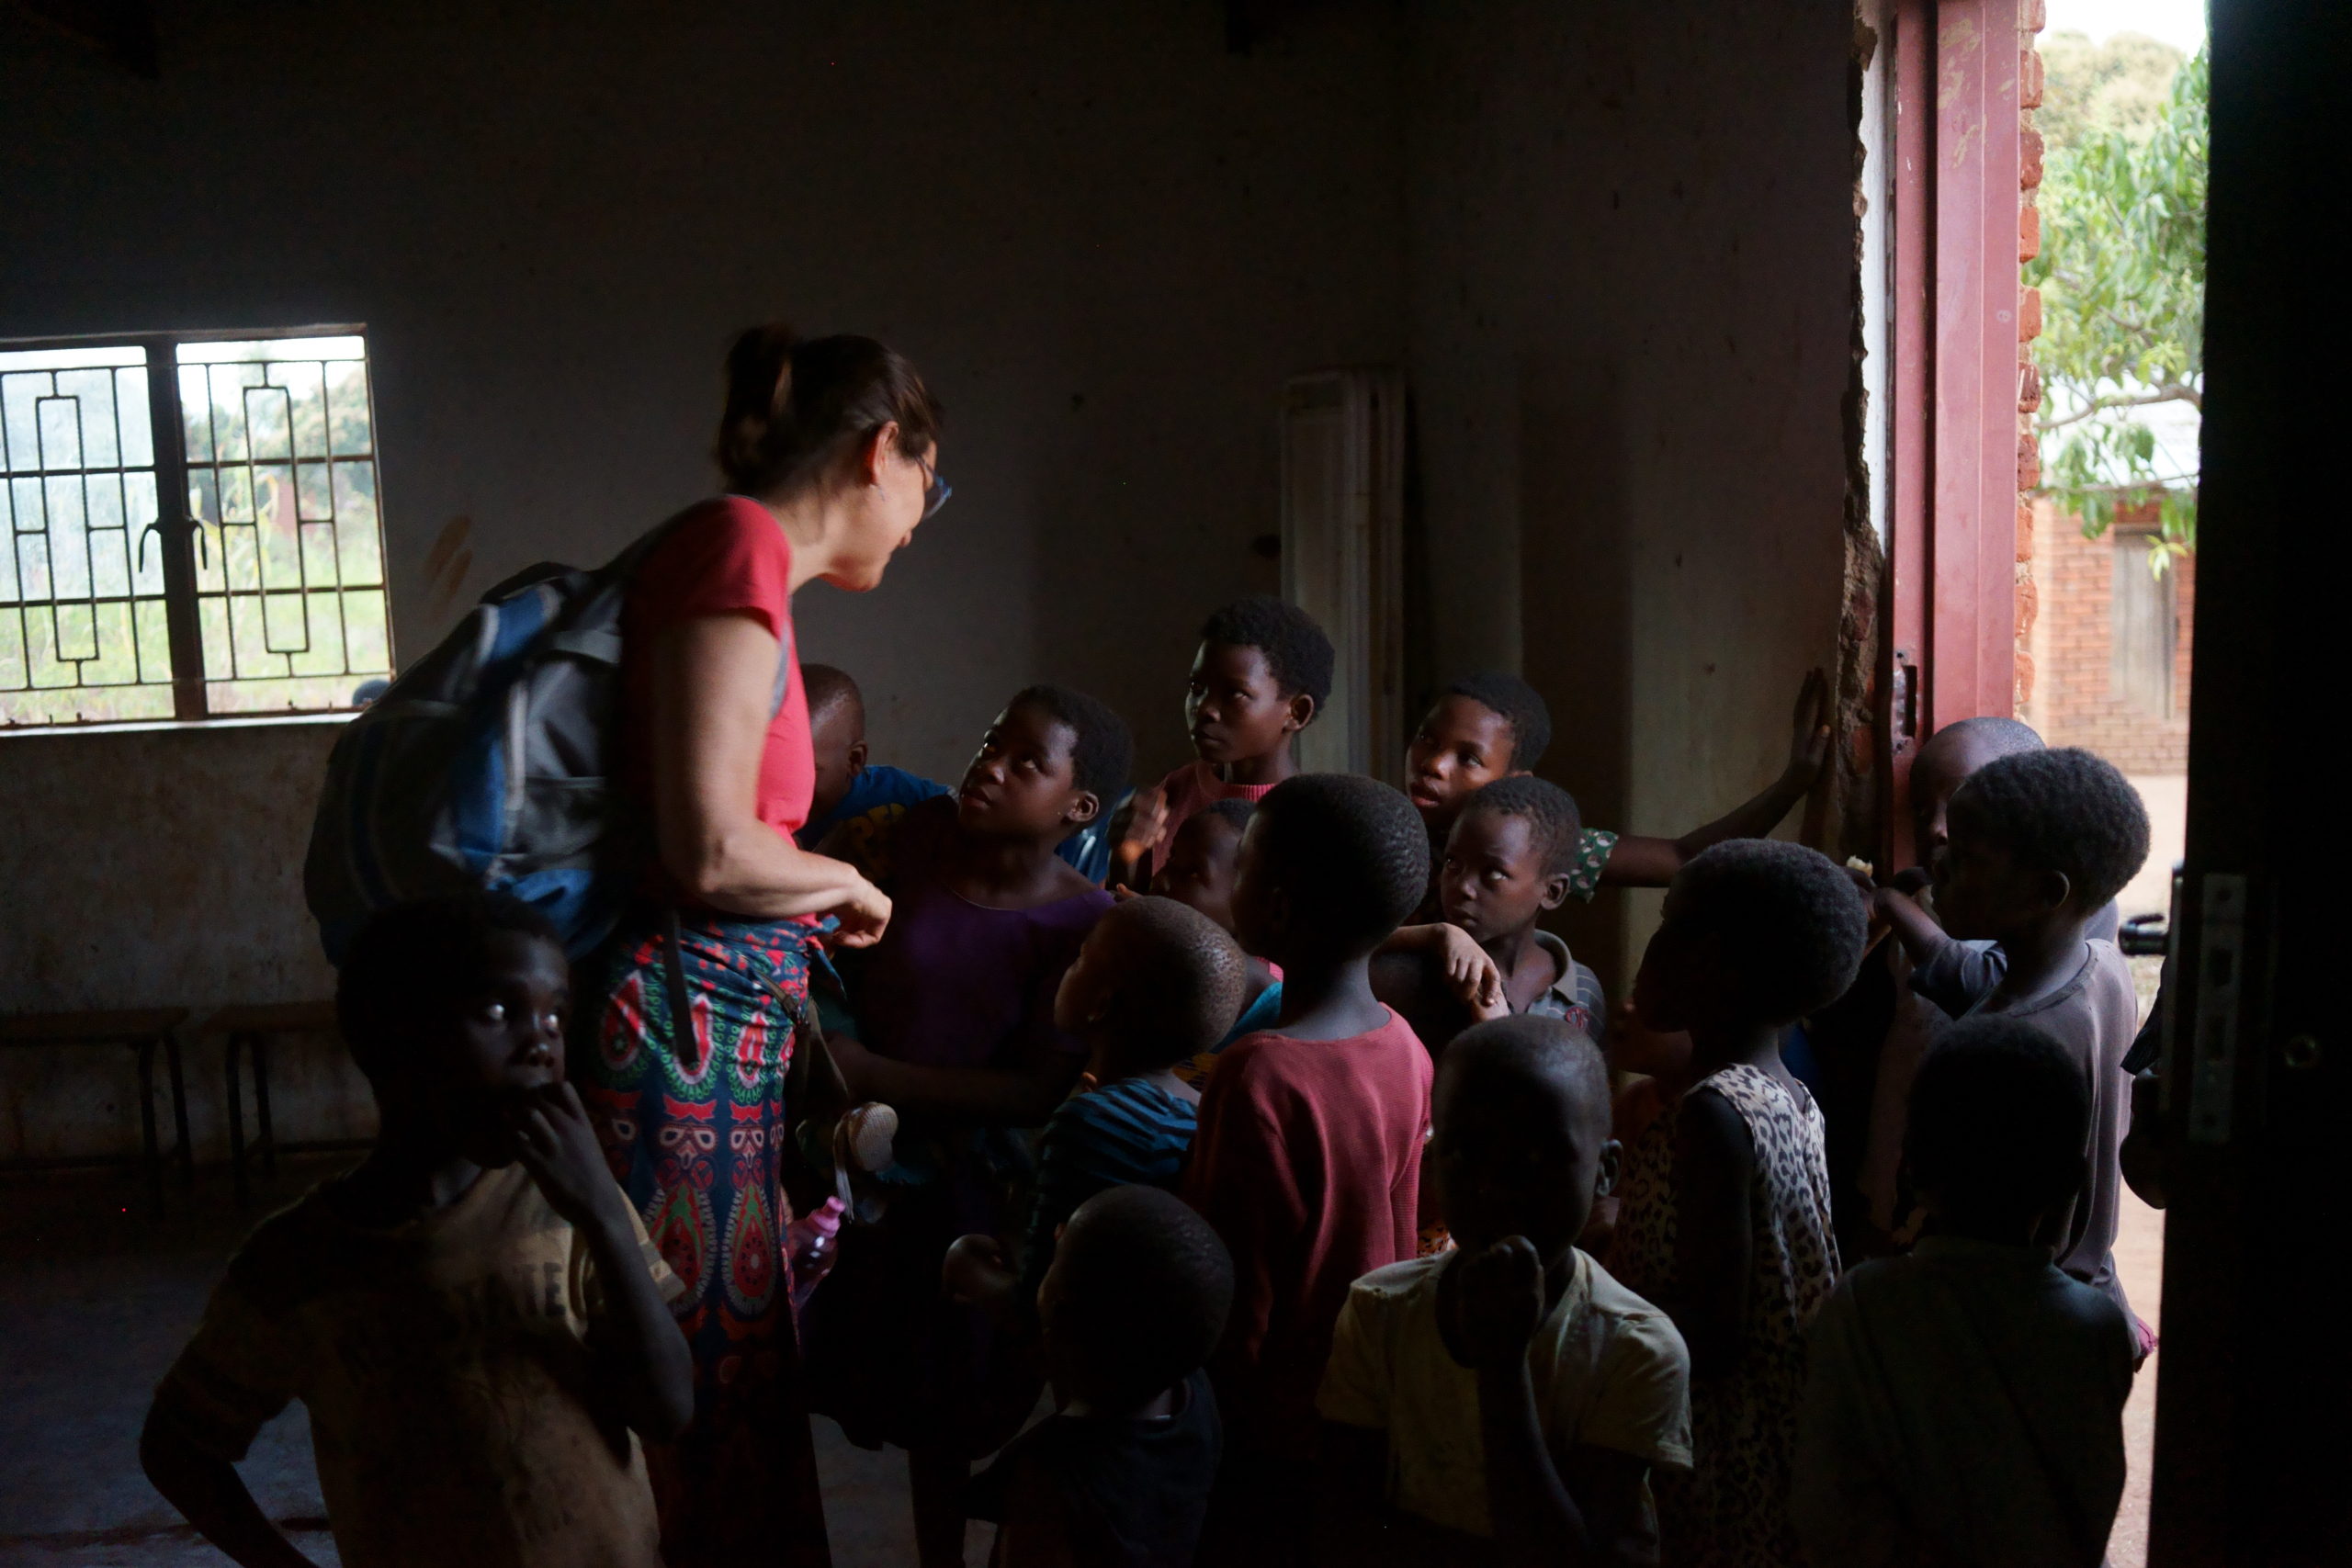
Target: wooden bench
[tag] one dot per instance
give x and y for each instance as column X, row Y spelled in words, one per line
column 143, row 1031
column 248, row 1031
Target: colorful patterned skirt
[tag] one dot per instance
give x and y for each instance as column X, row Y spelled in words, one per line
column 695, row 1132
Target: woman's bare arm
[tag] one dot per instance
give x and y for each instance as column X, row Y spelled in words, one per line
column 714, row 684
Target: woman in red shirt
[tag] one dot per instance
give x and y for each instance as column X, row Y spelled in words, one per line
column 828, row 448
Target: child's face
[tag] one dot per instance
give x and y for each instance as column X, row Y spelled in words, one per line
column 1084, row 1000
column 1494, row 883
column 1260, row 907
column 1983, row 891
column 1672, row 987
column 1525, row 1158
column 1235, row 708
column 1199, row 867
column 1461, row 746
column 1022, row 781
column 837, row 734
column 1944, row 764
column 497, row 1043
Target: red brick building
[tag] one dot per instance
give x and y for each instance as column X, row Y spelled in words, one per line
column 2109, row 643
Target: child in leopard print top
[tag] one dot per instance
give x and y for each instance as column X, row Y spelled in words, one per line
column 1724, row 1221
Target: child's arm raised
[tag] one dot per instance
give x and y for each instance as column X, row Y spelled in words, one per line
column 211, row 1495
column 1636, row 861
column 636, row 1339
column 1715, row 1164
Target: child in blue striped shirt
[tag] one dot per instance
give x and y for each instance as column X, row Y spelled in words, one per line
column 1155, row 983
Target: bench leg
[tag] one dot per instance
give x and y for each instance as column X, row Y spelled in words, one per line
column 146, row 1051
column 237, row 1125
column 186, row 1150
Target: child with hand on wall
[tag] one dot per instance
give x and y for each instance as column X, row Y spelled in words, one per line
column 955, row 1030
column 1507, row 1401
column 1119, row 1475
column 1494, row 725
column 1155, row 983
column 473, row 1317
column 1964, row 1403
column 1725, row 1215
column 1307, row 1159
column 1261, row 675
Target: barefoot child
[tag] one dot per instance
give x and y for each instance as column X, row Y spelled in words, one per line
column 1726, row 1219
column 1493, row 726
column 1155, row 983
column 473, row 1317
column 1965, row 1403
column 2042, row 841
column 1505, row 1402
column 954, row 1018
column 1261, row 673
column 1308, row 1160
column 1119, row 1475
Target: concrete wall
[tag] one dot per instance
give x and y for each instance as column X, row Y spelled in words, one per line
column 1631, row 241
column 1104, row 238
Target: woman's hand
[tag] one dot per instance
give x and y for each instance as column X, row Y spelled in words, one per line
column 865, row 915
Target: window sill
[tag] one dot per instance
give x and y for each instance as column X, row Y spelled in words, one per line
column 145, row 725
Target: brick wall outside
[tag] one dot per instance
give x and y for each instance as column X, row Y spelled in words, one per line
column 2071, row 646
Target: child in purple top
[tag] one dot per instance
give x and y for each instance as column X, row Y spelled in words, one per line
column 954, row 1029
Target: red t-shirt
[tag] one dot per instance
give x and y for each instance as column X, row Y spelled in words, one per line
column 1189, row 788
column 724, row 557
column 1308, row 1161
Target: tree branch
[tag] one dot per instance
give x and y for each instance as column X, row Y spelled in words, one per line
column 2171, row 392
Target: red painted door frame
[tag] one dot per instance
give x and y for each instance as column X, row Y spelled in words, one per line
column 1951, row 547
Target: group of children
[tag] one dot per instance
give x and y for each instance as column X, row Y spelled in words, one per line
column 1288, row 1165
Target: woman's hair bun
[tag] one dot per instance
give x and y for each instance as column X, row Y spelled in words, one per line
column 794, row 406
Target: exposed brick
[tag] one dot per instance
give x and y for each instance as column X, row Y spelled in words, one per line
column 2029, row 158
column 2029, row 602
column 2033, row 15
column 2025, row 528
column 2029, row 461
column 2028, row 314
column 2029, row 232
column 2028, row 387
column 2030, row 78
column 2025, row 678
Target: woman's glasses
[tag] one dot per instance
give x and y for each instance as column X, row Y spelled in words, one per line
column 935, row 491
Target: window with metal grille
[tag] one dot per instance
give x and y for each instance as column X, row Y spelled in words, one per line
column 233, row 567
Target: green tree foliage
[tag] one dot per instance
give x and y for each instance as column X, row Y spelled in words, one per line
column 2122, row 279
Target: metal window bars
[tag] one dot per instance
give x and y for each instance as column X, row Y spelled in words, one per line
column 262, row 593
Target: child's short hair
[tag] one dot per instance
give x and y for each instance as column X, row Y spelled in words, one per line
column 1297, row 651
column 1352, row 852
column 1185, row 973
column 2065, row 810
column 1791, row 921
column 1145, row 1285
column 408, row 959
column 1550, row 812
column 1999, row 1119
column 1506, row 1051
column 1521, row 705
column 1103, row 751
column 1235, row 812
column 822, row 685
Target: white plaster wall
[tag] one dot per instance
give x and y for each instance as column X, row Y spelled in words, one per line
column 1631, row 250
